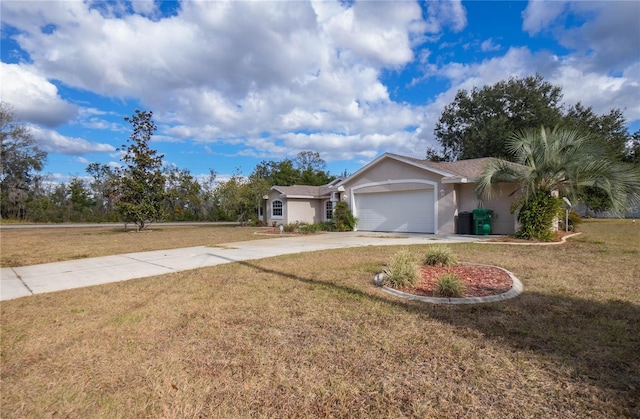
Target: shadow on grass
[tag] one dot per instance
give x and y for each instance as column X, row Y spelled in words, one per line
column 600, row 342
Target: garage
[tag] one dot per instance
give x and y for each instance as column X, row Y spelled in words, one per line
column 400, row 211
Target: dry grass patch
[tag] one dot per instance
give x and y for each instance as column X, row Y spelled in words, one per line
column 310, row 335
column 21, row 247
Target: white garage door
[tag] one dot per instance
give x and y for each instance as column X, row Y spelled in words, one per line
column 407, row 211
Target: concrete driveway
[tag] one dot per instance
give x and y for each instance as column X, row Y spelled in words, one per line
column 49, row 277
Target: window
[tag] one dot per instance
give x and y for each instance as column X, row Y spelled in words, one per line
column 328, row 211
column 276, row 209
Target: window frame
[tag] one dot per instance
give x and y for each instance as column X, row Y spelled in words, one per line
column 329, row 208
column 273, row 209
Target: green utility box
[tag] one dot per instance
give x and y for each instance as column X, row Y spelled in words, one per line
column 482, row 221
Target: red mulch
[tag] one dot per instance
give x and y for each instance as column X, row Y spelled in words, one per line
column 480, row 280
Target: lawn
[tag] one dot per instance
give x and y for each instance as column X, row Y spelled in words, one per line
column 19, row 247
column 309, row 335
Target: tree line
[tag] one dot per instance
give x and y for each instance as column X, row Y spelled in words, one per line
column 141, row 190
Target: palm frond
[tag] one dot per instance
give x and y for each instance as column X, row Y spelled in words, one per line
column 562, row 160
column 497, row 171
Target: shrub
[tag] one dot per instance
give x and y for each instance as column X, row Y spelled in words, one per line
column 289, row 228
column 574, row 220
column 402, row 270
column 309, row 228
column 438, row 255
column 327, row 226
column 536, row 216
column 450, row 286
column 343, row 218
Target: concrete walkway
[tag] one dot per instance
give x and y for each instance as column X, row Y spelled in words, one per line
column 49, row 277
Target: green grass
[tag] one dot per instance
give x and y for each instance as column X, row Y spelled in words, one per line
column 309, row 335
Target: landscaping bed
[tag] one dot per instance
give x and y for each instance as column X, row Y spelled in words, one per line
column 479, row 280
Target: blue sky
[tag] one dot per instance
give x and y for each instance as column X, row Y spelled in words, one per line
column 234, row 83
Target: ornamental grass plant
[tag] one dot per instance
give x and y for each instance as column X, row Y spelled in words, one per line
column 450, row 286
column 402, row 270
column 439, row 255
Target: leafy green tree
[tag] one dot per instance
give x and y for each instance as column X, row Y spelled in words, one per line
column 312, row 169
column 59, row 198
column 282, row 173
column 20, row 159
column 39, row 205
column 141, row 189
column 478, row 123
column 104, row 189
column 306, row 169
column 562, row 161
column 609, row 130
column 183, row 194
column 632, row 149
column 234, row 199
column 80, row 201
column 208, row 202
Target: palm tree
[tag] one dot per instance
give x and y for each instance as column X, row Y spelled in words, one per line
column 558, row 162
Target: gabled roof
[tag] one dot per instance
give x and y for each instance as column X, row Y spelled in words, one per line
column 461, row 171
column 307, row 191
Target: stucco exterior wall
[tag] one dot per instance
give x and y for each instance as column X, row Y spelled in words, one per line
column 447, row 208
column 503, row 222
column 295, row 209
column 303, row 210
column 390, row 169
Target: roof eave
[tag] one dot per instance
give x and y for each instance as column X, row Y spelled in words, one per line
column 304, row 196
column 458, row 180
column 400, row 158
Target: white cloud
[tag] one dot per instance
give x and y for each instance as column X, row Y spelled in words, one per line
column 489, row 46
column 540, row 14
column 606, row 37
column 284, row 77
column 445, row 14
column 145, row 7
column 33, row 97
column 375, row 31
column 603, row 92
column 226, row 72
column 54, row 142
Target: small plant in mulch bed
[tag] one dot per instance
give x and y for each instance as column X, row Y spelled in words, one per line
column 289, row 228
column 574, row 221
column 450, row 286
column 439, row 255
column 402, row 270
